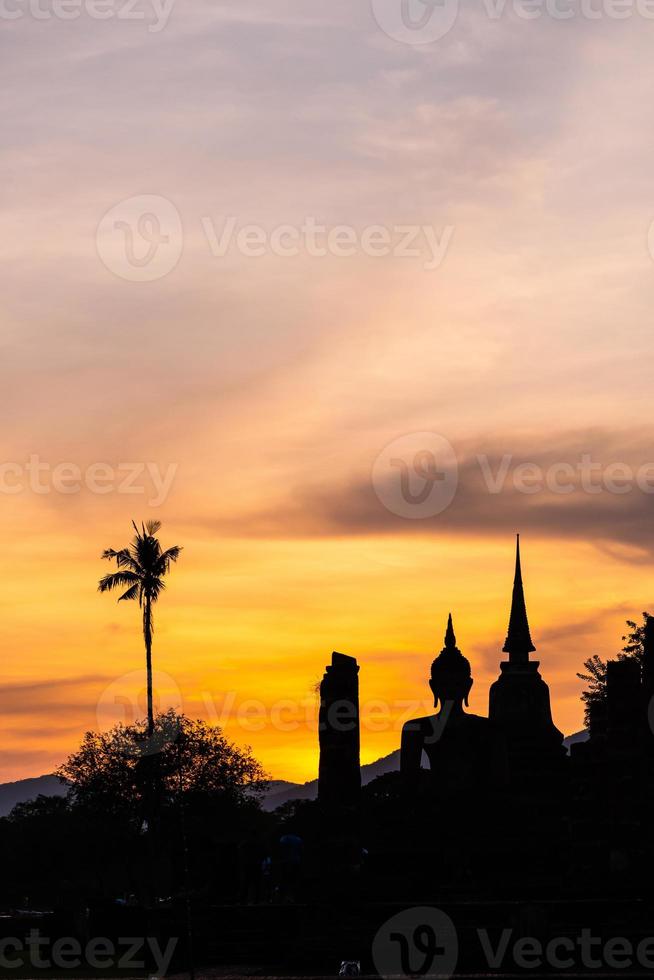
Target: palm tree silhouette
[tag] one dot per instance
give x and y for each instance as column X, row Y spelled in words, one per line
column 141, row 568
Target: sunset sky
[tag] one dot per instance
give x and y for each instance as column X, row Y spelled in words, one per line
column 273, row 385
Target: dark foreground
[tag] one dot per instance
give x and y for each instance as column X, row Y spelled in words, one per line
column 599, row 938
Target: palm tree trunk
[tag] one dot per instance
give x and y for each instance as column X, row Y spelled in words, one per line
column 150, row 761
column 147, row 633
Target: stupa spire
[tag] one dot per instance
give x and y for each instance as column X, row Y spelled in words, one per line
column 518, row 640
column 450, row 638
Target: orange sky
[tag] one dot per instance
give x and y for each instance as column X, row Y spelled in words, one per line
column 275, row 385
column 246, row 628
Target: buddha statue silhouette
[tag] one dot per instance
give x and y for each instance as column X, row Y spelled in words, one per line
column 465, row 752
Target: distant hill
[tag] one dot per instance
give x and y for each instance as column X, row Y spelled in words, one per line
column 577, row 737
column 28, row 789
column 280, row 791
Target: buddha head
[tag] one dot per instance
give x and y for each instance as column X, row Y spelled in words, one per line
column 451, row 677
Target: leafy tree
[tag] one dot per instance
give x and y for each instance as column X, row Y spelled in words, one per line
column 596, row 668
column 90, row 847
column 595, row 693
column 165, row 808
column 111, row 770
column 43, row 808
column 634, row 641
column 141, row 570
column 45, row 847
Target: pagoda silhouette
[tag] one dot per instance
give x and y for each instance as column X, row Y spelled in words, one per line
column 519, row 700
column 555, row 822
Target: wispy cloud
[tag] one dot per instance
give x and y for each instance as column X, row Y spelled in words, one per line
column 274, row 383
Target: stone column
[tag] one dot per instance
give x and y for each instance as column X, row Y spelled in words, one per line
column 339, row 787
column 339, row 777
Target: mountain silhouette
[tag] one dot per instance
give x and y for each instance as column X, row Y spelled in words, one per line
column 25, row 790
column 280, row 791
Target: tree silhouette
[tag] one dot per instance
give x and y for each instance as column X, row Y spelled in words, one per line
column 634, row 641
column 193, row 758
column 595, row 693
column 141, row 569
column 595, row 676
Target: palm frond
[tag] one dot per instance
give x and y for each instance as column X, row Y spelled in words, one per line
column 123, row 558
column 162, row 564
column 142, row 565
column 155, row 588
column 133, row 593
column 117, row 580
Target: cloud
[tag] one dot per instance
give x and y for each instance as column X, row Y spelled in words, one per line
column 571, row 487
column 57, row 697
column 557, row 641
column 274, row 383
